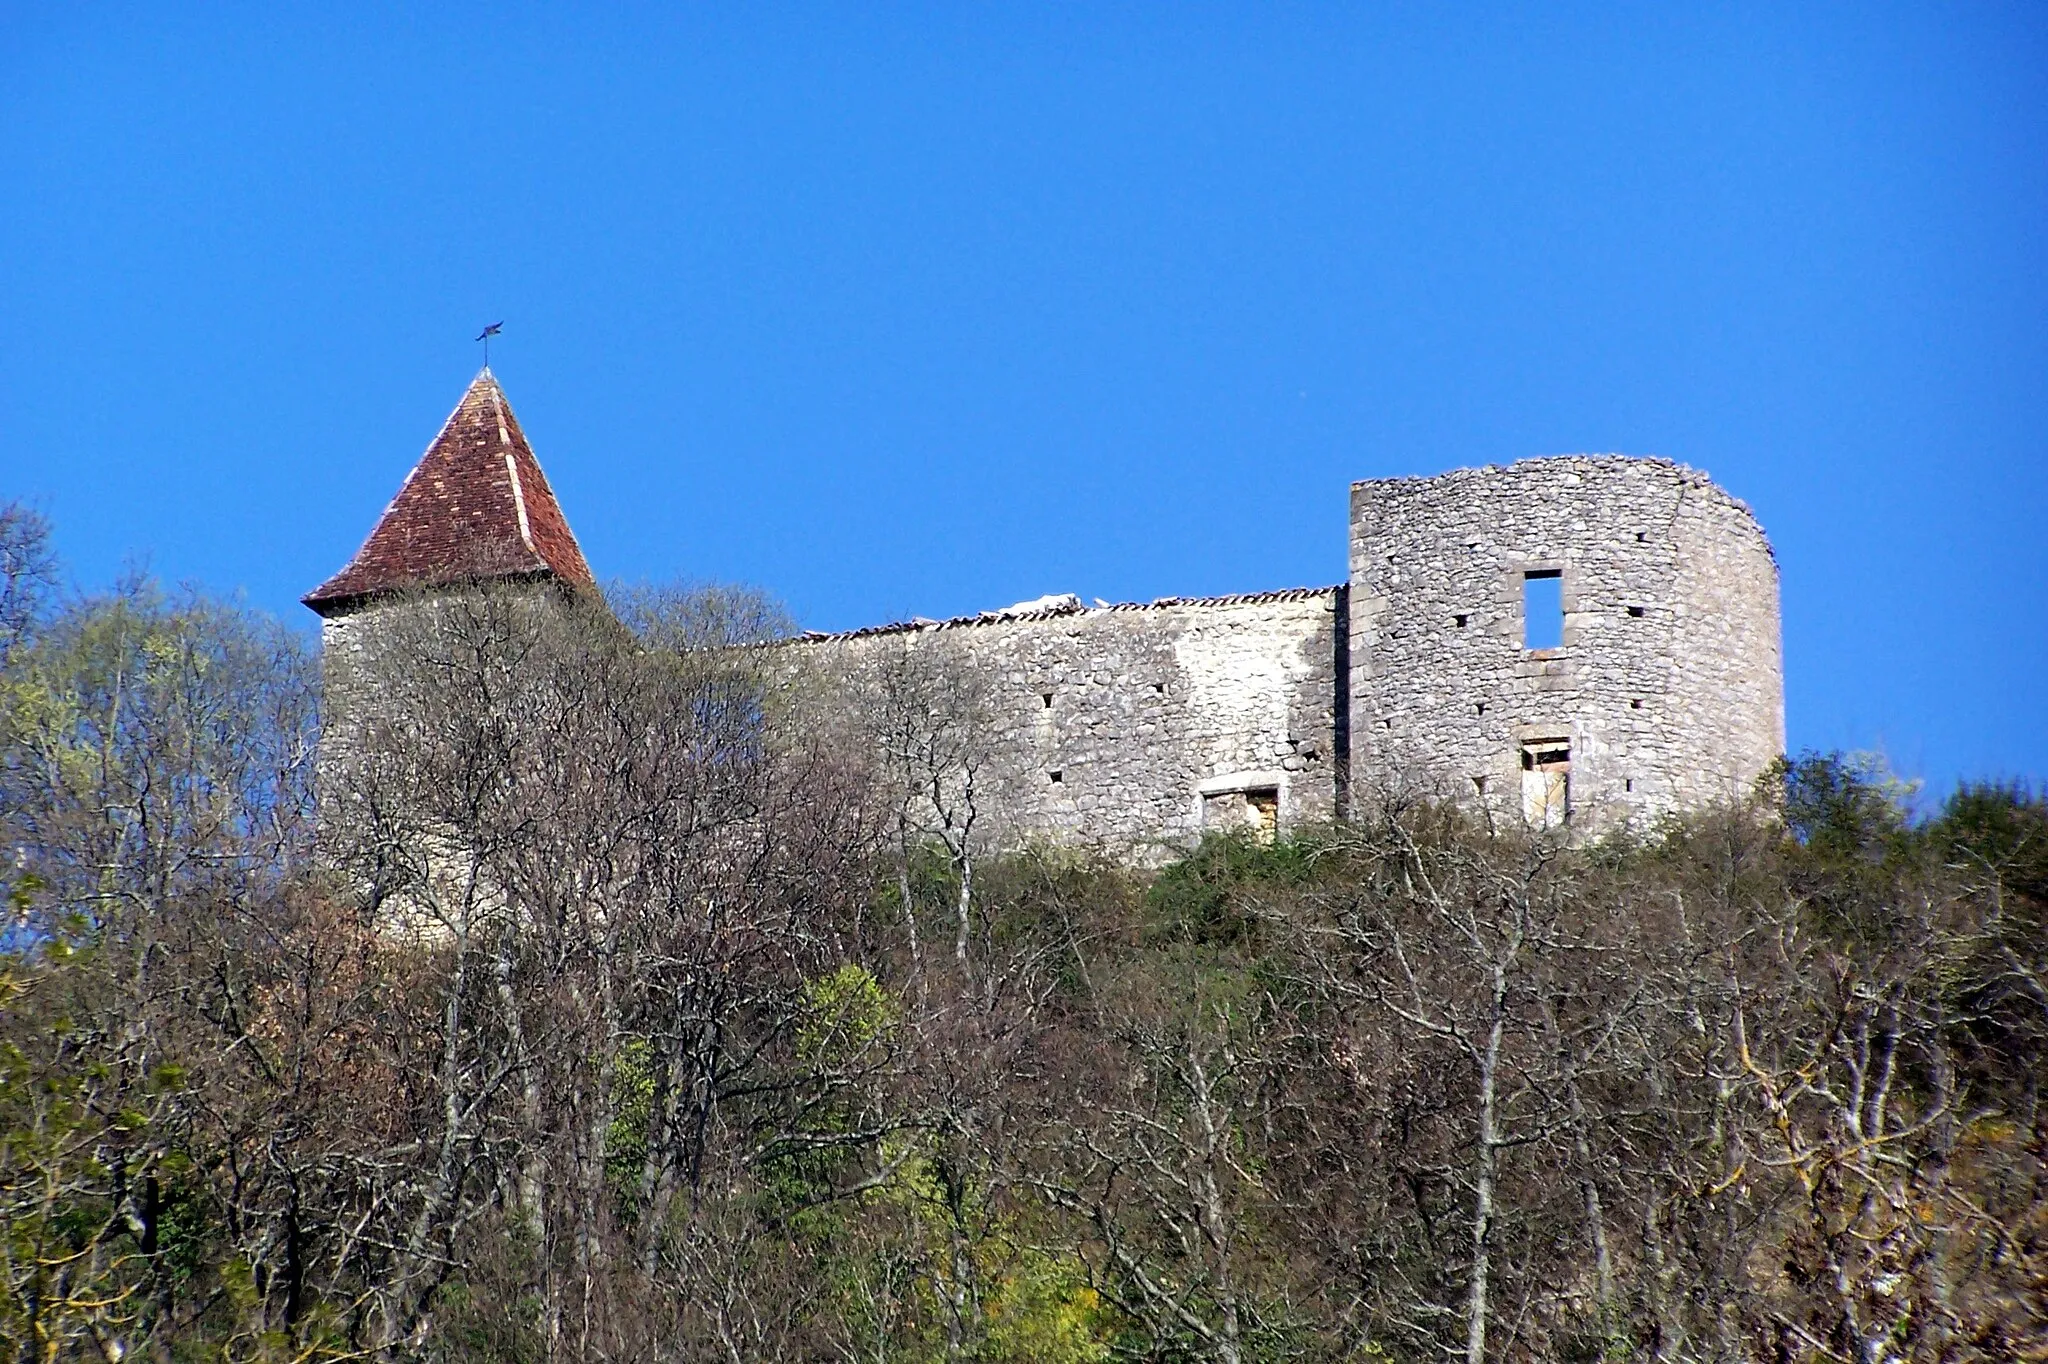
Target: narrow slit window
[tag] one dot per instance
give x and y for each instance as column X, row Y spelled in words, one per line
column 1543, row 609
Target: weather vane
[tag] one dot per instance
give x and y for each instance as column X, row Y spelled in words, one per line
column 485, row 336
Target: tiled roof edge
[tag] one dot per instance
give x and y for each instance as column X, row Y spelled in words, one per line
column 905, row 627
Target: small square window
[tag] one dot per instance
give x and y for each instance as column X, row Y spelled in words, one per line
column 1636, row 611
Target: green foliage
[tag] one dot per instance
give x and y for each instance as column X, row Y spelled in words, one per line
column 625, row 1149
column 1203, row 897
column 1040, row 1309
column 2001, row 830
column 849, row 1013
column 1844, row 808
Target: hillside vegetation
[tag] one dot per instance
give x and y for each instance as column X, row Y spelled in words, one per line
column 652, row 1003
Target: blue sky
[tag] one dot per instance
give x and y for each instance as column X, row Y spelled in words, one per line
column 897, row 310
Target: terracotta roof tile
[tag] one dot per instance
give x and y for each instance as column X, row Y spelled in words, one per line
column 476, row 506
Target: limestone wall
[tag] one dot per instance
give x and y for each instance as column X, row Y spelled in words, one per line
column 1130, row 725
column 1667, row 689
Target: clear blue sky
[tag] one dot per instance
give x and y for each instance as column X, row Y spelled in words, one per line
column 898, row 310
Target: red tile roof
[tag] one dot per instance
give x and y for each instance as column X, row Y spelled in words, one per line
column 475, row 506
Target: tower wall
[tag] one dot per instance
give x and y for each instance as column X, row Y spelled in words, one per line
column 1667, row 689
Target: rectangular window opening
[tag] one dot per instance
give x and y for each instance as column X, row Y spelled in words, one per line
column 1546, row 782
column 1543, row 609
column 1461, row 619
column 1255, row 810
column 1046, row 696
column 1636, row 611
column 1057, row 777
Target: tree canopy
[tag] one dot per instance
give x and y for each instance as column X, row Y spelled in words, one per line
column 596, row 1017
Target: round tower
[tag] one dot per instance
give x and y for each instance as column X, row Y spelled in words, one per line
column 1584, row 637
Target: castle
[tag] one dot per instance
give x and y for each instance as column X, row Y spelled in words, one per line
column 1592, row 638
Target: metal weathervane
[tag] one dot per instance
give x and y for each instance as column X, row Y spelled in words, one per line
column 485, row 336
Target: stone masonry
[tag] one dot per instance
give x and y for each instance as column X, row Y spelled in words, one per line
column 1140, row 725
column 1666, row 691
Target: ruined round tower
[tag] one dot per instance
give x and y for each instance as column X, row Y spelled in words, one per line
column 1587, row 636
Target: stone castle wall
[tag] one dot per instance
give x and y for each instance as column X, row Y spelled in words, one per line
column 1145, row 724
column 1138, row 724
column 1667, row 690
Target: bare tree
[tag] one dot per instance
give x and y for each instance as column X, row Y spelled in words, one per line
column 924, row 707
column 28, row 573
column 632, row 860
column 155, row 767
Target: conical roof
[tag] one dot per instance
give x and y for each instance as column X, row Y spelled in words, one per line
column 476, row 506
